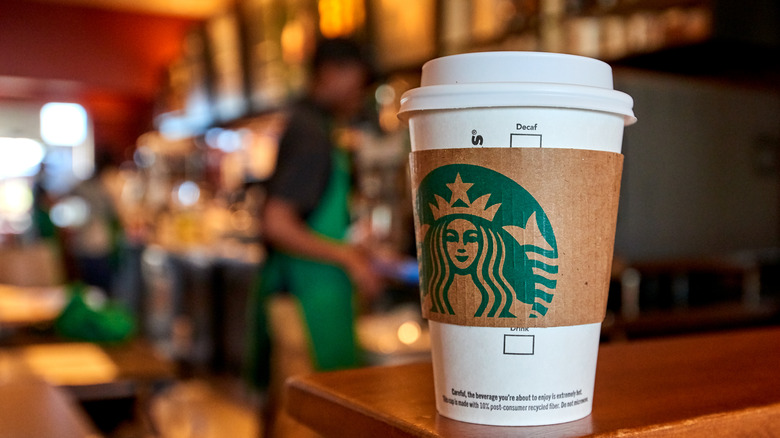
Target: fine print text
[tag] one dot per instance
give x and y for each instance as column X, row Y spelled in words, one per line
column 515, row 402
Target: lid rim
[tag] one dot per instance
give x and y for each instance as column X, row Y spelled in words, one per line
column 495, row 95
column 628, row 118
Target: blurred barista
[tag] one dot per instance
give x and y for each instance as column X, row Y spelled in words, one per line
column 94, row 242
column 306, row 215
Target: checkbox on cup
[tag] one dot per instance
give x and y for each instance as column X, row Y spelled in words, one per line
column 519, row 344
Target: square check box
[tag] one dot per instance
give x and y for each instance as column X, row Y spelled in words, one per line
column 519, row 344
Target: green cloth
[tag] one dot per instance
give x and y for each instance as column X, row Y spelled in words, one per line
column 81, row 321
column 324, row 291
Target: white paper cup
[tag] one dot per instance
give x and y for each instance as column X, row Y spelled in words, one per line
column 525, row 374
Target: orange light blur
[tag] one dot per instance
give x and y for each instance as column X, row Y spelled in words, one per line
column 340, row 17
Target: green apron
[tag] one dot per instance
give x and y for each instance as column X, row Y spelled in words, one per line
column 324, row 291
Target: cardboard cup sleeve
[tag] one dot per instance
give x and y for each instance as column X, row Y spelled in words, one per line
column 515, row 237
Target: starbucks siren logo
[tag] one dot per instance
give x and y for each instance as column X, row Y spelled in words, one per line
column 507, row 254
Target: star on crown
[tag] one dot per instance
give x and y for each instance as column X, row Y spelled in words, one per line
column 460, row 204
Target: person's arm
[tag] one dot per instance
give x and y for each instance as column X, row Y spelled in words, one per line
column 285, row 230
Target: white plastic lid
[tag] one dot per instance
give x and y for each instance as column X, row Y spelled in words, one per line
column 506, row 79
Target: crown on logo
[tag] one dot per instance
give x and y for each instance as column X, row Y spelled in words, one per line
column 460, row 204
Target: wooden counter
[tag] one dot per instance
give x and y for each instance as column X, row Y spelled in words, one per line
column 90, row 371
column 725, row 384
column 33, row 408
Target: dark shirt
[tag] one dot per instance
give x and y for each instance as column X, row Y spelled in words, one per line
column 304, row 161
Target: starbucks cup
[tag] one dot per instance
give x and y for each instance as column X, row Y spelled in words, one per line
column 516, row 170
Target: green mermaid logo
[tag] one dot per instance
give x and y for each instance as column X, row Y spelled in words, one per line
column 507, row 253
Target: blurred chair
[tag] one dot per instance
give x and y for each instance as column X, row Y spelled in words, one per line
column 291, row 357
